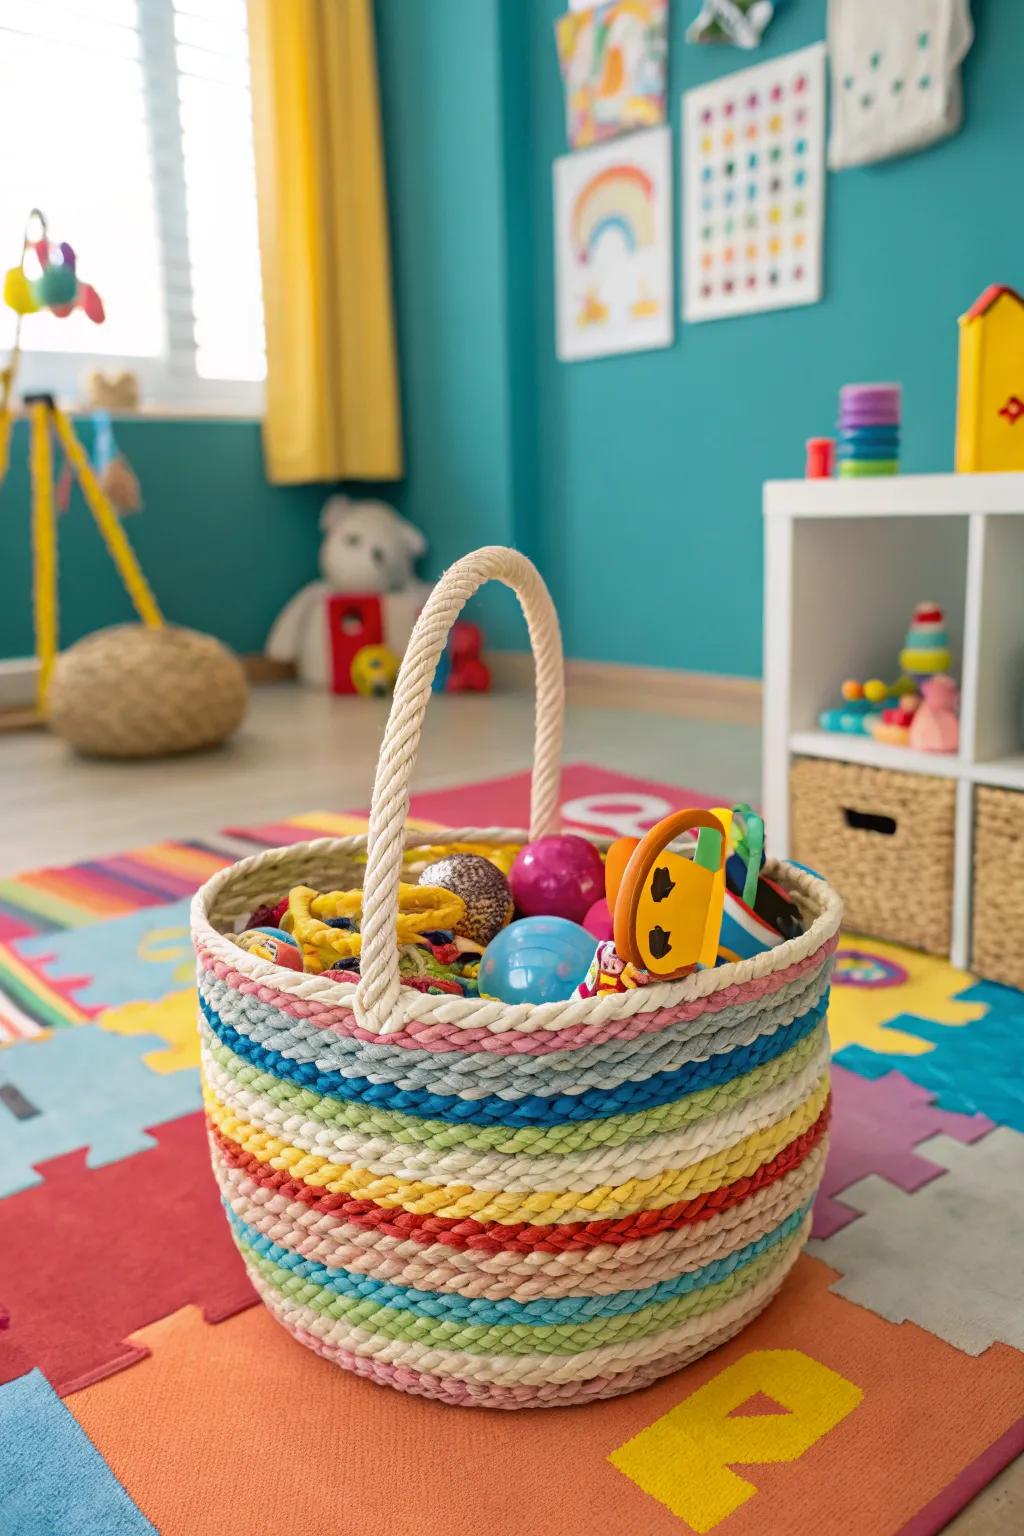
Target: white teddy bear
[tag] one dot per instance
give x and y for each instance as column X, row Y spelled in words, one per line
column 367, row 549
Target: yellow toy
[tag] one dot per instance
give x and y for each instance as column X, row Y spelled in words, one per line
column 421, row 909
column 667, row 908
column 374, row 669
column 990, row 406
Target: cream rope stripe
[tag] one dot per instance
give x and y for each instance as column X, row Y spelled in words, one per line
column 602, row 1360
column 333, row 1241
column 477, row 1075
column 446, row 1270
column 579, row 1171
column 632, row 1127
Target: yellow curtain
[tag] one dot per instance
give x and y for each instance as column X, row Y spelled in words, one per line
column 332, row 388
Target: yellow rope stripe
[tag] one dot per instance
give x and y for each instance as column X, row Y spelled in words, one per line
column 539, row 1207
column 44, row 547
column 109, row 525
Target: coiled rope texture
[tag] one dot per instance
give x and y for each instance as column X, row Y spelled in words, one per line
column 506, row 1206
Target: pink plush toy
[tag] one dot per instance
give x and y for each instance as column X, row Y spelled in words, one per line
column 935, row 726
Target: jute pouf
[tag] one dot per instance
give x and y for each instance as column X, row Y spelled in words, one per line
column 496, row 1205
column 133, row 691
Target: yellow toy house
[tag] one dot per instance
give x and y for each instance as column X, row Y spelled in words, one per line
column 990, row 407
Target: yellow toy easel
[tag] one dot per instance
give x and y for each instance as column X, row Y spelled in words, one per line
column 58, row 289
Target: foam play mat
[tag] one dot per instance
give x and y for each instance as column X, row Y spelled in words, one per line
column 143, row 1387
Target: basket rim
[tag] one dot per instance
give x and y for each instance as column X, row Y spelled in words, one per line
column 476, row 1013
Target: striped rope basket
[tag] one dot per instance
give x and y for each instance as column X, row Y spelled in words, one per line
column 511, row 1206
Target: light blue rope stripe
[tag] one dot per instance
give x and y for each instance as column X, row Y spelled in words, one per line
column 454, row 1308
column 553, row 1109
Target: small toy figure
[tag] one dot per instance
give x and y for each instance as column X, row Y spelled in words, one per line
column 935, row 726
column 610, row 973
column 374, row 669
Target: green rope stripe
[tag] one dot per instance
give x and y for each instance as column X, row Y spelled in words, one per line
column 580, row 1135
column 515, row 1338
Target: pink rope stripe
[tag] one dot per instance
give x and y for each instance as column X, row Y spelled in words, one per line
column 424, row 1036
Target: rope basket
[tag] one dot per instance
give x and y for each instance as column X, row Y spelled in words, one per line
column 498, row 1205
column 998, row 885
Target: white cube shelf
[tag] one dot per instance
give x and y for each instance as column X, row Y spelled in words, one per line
column 846, row 561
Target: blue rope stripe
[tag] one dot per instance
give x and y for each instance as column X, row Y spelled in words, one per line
column 541, row 1313
column 660, row 1088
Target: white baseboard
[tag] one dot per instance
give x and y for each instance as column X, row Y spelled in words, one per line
column 18, row 682
column 655, row 690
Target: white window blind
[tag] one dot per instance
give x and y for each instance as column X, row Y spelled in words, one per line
column 128, row 122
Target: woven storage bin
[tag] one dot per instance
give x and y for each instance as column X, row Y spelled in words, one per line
column 506, row 1206
column 897, row 883
column 997, row 948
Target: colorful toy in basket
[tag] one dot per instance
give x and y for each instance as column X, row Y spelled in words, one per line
column 271, row 944
column 535, row 960
column 557, row 877
column 666, row 907
column 514, row 1205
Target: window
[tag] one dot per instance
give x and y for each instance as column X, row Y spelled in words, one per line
column 128, row 122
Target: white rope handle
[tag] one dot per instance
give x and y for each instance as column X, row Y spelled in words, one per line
column 378, row 988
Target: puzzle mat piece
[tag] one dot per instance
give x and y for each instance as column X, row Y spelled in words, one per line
column 113, row 1249
column 54, row 1480
column 865, row 1012
column 89, row 1089
column 976, row 1070
column 244, row 1379
column 173, row 1017
column 876, row 1127
column 143, row 955
column 948, row 1256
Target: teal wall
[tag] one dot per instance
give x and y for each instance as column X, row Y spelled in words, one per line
column 634, row 481
column 649, row 467
column 221, row 549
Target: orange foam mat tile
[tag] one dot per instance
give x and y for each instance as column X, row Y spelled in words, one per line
column 820, row 1417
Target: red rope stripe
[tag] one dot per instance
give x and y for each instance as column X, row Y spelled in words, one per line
column 496, row 1237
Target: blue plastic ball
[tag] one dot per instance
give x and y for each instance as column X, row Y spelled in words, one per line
column 536, row 960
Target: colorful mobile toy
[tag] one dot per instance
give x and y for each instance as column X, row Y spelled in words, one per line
column 58, row 286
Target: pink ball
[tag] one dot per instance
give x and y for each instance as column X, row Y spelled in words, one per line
column 558, row 876
column 598, row 920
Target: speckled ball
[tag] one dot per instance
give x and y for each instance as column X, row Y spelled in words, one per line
column 482, row 887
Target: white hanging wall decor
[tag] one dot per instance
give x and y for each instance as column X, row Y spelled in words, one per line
column 895, row 76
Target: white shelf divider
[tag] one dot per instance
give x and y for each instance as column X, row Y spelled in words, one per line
column 845, row 563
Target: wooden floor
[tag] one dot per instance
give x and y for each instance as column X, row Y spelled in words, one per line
column 303, row 751
column 300, row 751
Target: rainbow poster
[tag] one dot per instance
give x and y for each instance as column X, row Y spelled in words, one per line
column 613, row 247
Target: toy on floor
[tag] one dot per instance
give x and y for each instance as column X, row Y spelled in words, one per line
column 373, row 671
column 869, row 429
column 536, row 960
column 481, row 886
column 131, row 690
column 462, row 668
column 560, row 876
column 366, row 595
column 990, row 391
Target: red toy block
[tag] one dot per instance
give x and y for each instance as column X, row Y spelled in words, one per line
column 353, row 620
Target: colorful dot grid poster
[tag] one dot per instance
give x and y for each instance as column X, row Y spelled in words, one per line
column 613, row 247
column 754, row 188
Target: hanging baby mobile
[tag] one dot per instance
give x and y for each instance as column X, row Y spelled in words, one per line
column 134, row 690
